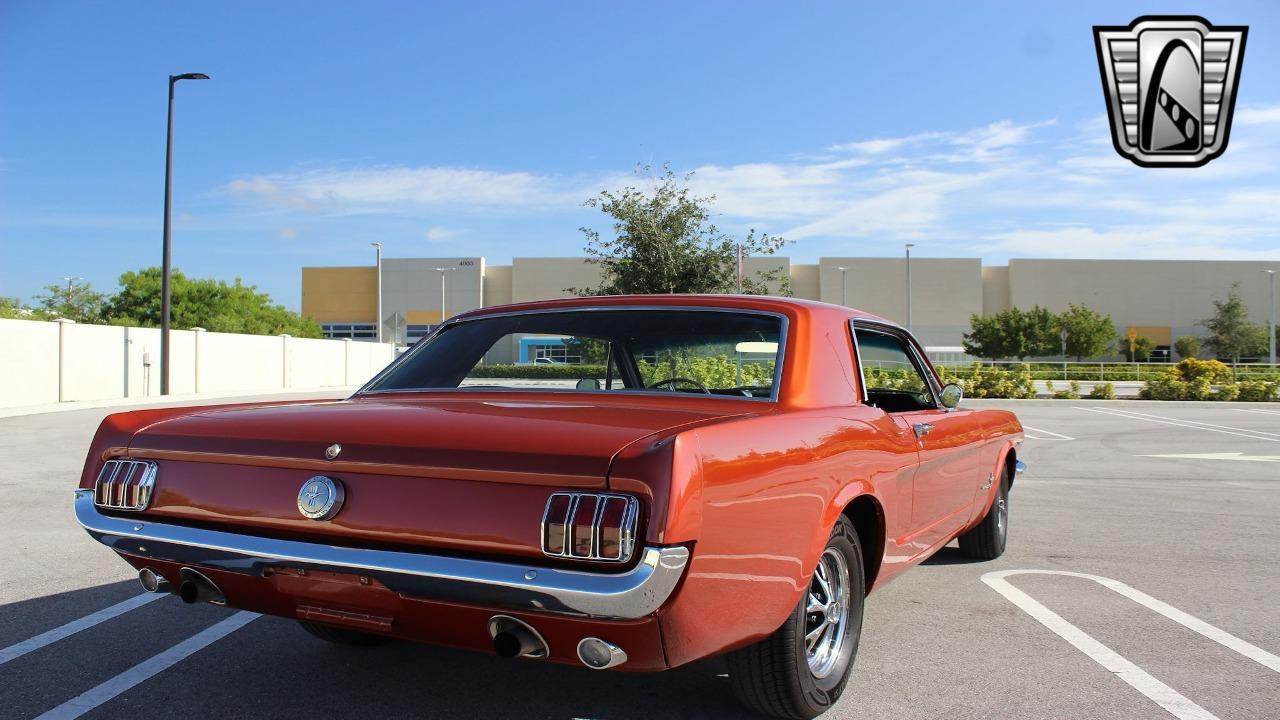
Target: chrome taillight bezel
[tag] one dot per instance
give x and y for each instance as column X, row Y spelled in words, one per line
column 626, row 532
column 125, row 485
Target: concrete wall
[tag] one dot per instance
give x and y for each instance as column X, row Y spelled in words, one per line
column 50, row 362
column 1141, row 293
column 547, row 278
column 945, row 292
column 497, row 285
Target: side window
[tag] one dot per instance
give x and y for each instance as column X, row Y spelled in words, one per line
column 894, row 381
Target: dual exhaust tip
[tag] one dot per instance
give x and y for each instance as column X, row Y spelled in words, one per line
column 513, row 637
column 194, row 587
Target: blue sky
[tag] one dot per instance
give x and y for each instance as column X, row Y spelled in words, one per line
column 971, row 129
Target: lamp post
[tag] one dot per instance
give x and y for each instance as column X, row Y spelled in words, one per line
column 1271, row 330
column 377, row 258
column 442, row 271
column 166, row 264
column 1063, row 334
column 843, row 285
column 908, row 247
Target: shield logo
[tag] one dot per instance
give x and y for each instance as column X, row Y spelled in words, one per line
column 321, row 498
column 1170, row 85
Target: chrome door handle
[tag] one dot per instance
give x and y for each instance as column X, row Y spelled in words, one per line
column 922, row 429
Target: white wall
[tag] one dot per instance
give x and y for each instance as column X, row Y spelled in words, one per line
column 48, row 362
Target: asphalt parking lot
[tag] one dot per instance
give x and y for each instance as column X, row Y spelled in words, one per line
column 1179, row 503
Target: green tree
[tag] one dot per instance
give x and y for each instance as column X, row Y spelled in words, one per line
column 1013, row 333
column 1142, row 348
column 1231, row 335
column 1089, row 332
column 73, row 302
column 13, row 309
column 211, row 304
column 664, row 242
column 1187, row 346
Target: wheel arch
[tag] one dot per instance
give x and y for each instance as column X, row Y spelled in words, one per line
column 867, row 517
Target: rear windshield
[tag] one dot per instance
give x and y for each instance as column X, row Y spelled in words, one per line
column 734, row 354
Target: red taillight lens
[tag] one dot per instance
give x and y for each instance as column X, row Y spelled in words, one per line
column 590, row 526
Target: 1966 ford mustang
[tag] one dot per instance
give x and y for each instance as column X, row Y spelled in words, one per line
column 722, row 474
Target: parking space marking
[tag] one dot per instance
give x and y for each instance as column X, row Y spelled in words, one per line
column 1056, row 436
column 1166, row 697
column 92, row 698
column 1224, row 429
column 1260, row 411
column 17, row 650
column 1219, row 456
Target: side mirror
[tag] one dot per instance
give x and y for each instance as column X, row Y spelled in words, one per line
column 952, row 394
column 588, row 384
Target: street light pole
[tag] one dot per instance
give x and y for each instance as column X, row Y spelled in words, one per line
column 166, row 262
column 1271, row 337
column 442, row 271
column 843, row 285
column 908, row 248
column 377, row 254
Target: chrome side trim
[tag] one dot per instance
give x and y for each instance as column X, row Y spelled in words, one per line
column 635, row 593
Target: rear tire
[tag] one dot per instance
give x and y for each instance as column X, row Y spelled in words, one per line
column 788, row 675
column 342, row 636
column 987, row 540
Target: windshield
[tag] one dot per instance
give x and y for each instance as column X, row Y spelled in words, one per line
column 721, row 353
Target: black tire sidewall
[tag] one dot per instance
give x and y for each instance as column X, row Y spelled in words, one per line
column 822, row 693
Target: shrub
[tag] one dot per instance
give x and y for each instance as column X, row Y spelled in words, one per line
column 1187, row 346
column 1192, row 369
column 1071, row 393
column 989, row 382
column 1103, row 391
column 537, row 372
column 1168, row 385
column 1258, row 390
column 1226, row 392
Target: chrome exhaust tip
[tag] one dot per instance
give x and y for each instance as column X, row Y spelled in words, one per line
column 513, row 637
column 153, row 582
column 600, row 654
column 197, row 587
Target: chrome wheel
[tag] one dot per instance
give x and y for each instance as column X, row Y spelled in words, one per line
column 827, row 613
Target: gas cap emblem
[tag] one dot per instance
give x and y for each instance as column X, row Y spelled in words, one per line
column 321, row 498
column 332, row 452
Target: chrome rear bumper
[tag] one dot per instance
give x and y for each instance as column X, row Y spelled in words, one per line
column 623, row 596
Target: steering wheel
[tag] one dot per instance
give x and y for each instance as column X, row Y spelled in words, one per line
column 673, row 381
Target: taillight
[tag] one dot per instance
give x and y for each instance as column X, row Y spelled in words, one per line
column 125, row 484
column 590, row 526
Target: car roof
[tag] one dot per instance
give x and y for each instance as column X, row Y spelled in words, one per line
column 786, row 305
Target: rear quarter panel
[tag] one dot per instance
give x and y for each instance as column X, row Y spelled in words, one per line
column 770, row 490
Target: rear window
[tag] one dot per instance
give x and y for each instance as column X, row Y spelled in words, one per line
column 722, row 353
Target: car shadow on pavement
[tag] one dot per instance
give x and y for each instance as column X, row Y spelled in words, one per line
column 951, row 556
column 25, row 619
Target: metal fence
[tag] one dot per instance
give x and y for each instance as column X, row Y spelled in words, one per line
column 1105, row 371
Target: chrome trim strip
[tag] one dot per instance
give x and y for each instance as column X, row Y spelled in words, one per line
column 628, row 595
column 923, row 366
column 783, row 334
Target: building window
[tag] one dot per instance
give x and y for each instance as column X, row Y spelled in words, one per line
column 355, row 331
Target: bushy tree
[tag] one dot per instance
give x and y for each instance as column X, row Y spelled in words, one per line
column 14, row 309
column 1231, row 335
column 1142, row 348
column 1089, row 332
column 1013, row 333
column 664, row 242
column 211, row 304
column 1187, row 346
column 71, row 301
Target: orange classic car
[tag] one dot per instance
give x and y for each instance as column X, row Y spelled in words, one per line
column 688, row 475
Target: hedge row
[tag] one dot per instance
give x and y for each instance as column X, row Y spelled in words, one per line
column 537, row 372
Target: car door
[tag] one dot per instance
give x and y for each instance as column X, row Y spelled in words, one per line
column 896, row 380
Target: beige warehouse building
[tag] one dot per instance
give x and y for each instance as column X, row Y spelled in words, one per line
column 1161, row 299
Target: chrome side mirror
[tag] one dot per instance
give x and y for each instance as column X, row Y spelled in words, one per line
column 588, row 384
column 951, row 396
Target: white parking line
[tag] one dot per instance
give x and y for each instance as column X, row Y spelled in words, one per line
column 1226, row 430
column 17, row 650
column 1163, row 695
column 1056, row 436
column 92, row 698
column 1260, row 411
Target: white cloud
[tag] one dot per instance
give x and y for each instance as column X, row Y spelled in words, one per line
column 287, row 233
column 1257, row 115
column 442, row 234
